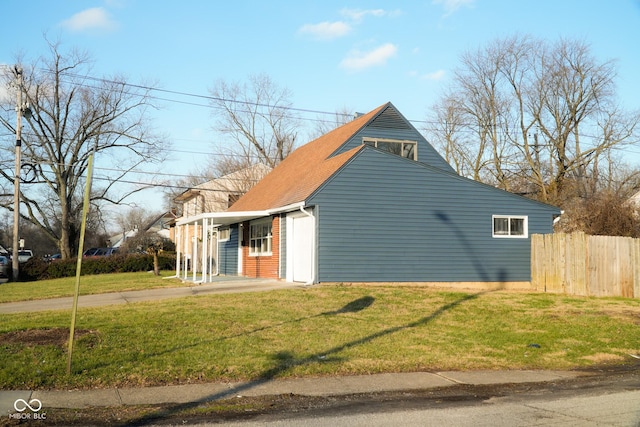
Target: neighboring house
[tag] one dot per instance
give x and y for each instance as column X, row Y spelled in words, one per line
column 118, row 240
column 372, row 201
column 219, row 194
column 161, row 225
column 635, row 199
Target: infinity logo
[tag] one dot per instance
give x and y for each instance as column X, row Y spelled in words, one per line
column 21, row 405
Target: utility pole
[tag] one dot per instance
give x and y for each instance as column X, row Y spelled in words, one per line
column 16, row 180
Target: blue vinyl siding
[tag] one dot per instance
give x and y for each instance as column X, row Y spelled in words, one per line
column 385, row 218
column 228, row 254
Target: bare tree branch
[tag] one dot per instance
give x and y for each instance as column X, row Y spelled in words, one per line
column 74, row 116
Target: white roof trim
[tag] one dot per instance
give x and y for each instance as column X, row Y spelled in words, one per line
column 226, row 218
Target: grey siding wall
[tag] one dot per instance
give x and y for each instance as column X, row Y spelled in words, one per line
column 228, row 254
column 384, row 218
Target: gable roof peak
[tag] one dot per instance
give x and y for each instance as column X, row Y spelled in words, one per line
column 310, row 165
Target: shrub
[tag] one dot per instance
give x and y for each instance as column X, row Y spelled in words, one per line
column 603, row 214
column 36, row 269
column 62, row 268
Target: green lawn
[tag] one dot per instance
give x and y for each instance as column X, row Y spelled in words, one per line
column 321, row 330
column 95, row 284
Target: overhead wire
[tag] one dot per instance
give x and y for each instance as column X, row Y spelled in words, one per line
column 224, row 100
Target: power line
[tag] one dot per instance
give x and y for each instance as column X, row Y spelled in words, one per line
column 162, row 184
column 218, row 99
column 245, row 102
column 207, row 97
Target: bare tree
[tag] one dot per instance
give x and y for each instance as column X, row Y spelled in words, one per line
column 323, row 125
column 532, row 116
column 136, row 218
column 257, row 115
column 75, row 115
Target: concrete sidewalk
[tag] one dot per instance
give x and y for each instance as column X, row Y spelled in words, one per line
column 13, row 401
column 222, row 285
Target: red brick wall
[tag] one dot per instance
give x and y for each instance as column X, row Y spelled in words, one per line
column 262, row 266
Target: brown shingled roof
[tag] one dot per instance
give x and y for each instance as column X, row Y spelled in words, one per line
column 304, row 170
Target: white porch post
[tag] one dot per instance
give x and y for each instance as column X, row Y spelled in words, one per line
column 178, row 236
column 194, row 250
column 205, row 246
column 186, row 252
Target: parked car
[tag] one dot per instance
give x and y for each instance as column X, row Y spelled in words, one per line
column 25, row 255
column 5, row 267
column 54, row 257
column 98, row 252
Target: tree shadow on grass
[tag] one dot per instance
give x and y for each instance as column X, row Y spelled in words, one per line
column 286, row 360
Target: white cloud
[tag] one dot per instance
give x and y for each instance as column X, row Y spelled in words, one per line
column 358, row 60
column 95, row 18
column 326, row 30
column 358, row 14
column 436, row 75
column 451, row 6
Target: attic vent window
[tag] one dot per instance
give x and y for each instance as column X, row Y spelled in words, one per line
column 402, row 148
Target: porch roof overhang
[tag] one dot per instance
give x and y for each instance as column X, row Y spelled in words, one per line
column 187, row 195
column 227, row 218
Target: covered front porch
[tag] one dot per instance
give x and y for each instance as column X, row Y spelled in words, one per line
column 197, row 239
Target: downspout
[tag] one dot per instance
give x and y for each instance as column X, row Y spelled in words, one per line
column 313, row 261
column 556, row 219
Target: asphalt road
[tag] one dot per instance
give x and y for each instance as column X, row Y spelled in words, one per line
column 620, row 409
column 604, row 400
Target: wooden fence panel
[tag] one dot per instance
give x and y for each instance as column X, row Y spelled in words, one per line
column 625, row 266
column 577, row 264
column 586, row 265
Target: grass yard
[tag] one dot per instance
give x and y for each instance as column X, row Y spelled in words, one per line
column 321, row 330
column 90, row 284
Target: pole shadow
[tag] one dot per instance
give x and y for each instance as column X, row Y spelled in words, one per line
column 349, row 308
column 286, row 360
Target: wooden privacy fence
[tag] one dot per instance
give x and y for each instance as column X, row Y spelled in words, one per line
column 578, row 264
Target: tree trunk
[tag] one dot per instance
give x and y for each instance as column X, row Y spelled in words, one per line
column 156, row 264
column 65, row 235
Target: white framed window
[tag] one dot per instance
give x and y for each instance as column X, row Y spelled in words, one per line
column 224, row 234
column 402, row 148
column 510, row 226
column 260, row 237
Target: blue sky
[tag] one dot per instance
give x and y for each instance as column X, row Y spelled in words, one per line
column 330, row 54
